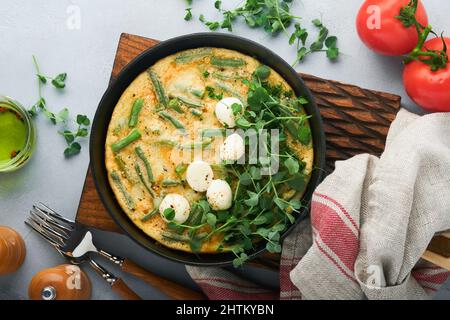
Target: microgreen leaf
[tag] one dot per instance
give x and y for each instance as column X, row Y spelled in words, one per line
column 240, row 260
column 60, row 81
column 236, row 108
column 252, row 200
column 42, row 78
column 245, row 179
column 169, row 214
column 83, row 120
column 188, row 15
column 211, row 220
column 292, row 165
column 262, row 72
column 298, row 182
column 73, row 149
column 243, row 123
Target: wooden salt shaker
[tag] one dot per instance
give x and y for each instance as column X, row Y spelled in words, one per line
column 63, row 282
column 12, row 250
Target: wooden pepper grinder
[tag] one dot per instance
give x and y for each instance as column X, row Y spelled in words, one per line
column 12, row 250
column 63, row 282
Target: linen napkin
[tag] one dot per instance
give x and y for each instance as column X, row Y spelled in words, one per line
column 371, row 221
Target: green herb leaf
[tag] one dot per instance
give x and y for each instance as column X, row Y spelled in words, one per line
column 236, row 108
column 188, row 15
column 292, row 165
column 253, row 199
column 60, row 81
column 245, row 179
column 243, row 123
column 83, row 120
column 169, row 214
column 262, row 72
column 298, row 182
column 304, row 134
column 317, row 23
column 72, row 150
column 240, row 260
column 42, row 78
column 211, row 220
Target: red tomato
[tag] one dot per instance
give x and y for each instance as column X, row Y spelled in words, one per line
column 382, row 32
column 429, row 89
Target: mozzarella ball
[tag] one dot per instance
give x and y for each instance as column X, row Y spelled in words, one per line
column 219, row 195
column 232, row 148
column 224, row 112
column 179, row 204
column 199, row 175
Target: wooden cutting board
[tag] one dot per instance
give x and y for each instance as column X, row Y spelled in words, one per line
column 356, row 120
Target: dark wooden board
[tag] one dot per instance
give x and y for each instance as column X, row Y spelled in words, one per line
column 356, row 121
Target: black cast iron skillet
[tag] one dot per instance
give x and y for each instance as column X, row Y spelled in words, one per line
column 139, row 65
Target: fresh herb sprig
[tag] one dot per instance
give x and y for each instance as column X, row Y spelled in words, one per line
column 300, row 36
column 253, row 216
column 62, row 117
column 274, row 17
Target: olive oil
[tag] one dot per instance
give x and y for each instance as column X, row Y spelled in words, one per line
column 13, row 134
column 17, row 135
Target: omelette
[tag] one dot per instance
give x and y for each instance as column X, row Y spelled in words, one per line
column 172, row 151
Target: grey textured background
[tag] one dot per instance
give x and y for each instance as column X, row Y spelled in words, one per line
column 40, row 27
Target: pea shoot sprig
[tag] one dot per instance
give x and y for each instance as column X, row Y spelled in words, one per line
column 436, row 59
column 62, row 117
column 274, row 17
column 253, row 215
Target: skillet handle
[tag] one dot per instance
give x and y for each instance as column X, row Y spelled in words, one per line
column 168, row 287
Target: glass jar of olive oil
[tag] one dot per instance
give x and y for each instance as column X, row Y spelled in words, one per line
column 17, row 135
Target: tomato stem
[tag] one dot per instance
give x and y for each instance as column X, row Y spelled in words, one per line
column 436, row 59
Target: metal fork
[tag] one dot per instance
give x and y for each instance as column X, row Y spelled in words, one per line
column 54, row 233
column 76, row 241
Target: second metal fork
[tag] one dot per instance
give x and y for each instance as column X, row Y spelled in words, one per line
column 76, row 242
column 56, row 234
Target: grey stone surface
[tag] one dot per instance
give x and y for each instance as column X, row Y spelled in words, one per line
column 40, row 27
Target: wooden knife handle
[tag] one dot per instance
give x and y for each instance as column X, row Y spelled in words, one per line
column 121, row 288
column 168, row 287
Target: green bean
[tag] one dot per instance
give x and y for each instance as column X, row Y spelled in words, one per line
column 196, row 112
column 195, row 216
column 118, row 182
column 123, row 168
column 149, row 215
column 226, row 77
column 135, row 110
column 120, row 163
column 196, row 92
column 170, row 183
column 212, row 132
column 134, row 135
column 177, row 124
column 160, row 93
column 180, row 169
column 175, row 236
column 144, row 182
column 140, row 153
column 230, row 90
column 197, row 145
column 222, row 62
column 167, row 143
column 193, row 55
column 175, row 105
column 190, row 103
